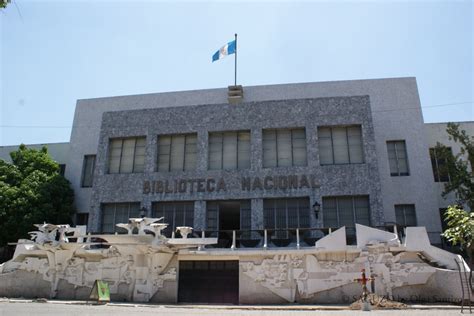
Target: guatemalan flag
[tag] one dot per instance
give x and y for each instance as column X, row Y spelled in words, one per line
column 225, row 50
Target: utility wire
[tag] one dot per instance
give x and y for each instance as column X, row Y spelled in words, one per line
column 199, row 125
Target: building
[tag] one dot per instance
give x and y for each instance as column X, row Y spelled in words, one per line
column 268, row 171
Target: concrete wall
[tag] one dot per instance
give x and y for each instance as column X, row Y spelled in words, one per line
column 58, row 151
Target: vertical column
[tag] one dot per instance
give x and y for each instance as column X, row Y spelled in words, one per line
column 151, row 153
column 256, row 149
column 199, row 215
column 202, row 150
column 257, row 213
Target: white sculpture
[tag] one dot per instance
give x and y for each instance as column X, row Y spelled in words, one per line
column 140, row 223
column 184, row 231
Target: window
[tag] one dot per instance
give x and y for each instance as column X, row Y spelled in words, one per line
column 405, row 215
column 346, row 211
column 284, row 214
column 340, row 145
column 175, row 214
column 284, row 147
column 397, row 158
column 127, row 155
column 177, row 152
column 88, row 166
column 438, row 163
column 116, row 213
column 230, row 213
column 82, row 218
column 229, row 150
column 62, row 169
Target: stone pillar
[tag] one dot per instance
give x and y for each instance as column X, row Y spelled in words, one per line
column 151, row 153
column 257, row 213
column 202, row 150
column 256, row 149
column 199, row 215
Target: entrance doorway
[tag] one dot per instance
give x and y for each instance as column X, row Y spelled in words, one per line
column 223, row 217
column 214, row 282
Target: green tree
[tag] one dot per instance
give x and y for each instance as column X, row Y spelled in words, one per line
column 460, row 221
column 460, row 170
column 32, row 191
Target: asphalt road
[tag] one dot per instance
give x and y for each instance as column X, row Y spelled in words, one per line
column 59, row 308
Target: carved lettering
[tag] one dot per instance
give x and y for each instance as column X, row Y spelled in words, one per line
column 200, row 185
column 210, row 185
column 221, row 185
column 159, row 187
column 245, row 184
column 146, row 187
column 283, row 182
column 292, row 182
column 168, row 189
column 257, row 184
column 304, row 182
column 268, row 183
column 182, row 186
column 314, row 183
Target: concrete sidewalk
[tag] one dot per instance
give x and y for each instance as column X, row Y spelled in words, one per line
column 288, row 307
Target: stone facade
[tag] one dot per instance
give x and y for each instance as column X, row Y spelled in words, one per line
column 331, row 180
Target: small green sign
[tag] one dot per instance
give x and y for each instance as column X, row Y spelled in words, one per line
column 100, row 291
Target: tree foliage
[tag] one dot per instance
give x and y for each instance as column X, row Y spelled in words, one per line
column 32, row 191
column 460, row 170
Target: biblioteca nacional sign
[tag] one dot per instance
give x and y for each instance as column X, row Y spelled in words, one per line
column 209, row 184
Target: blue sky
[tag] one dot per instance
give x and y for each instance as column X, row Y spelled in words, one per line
column 55, row 52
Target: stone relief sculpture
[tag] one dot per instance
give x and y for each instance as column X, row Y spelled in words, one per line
column 138, row 265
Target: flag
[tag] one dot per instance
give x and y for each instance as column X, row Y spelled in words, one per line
column 225, row 50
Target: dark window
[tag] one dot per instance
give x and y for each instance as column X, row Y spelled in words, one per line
column 88, row 167
column 397, row 158
column 175, row 214
column 62, row 169
column 284, row 214
column 440, row 171
column 405, row 215
column 118, row 213
column 82, row 218
column 346, row 211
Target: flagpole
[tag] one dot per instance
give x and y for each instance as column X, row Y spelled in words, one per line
column 235, row 72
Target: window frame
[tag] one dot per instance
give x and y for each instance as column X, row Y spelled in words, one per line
column 346, row 128
column 354, row 211
column 299, row 208
column 83, row 175
column 123, row 139
column 398, row 173
column 292, row 153
column 115, row 205
column 435, row 163
column 404, row 213
column 156, row 213
column 221, row 134
column 183, row 167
